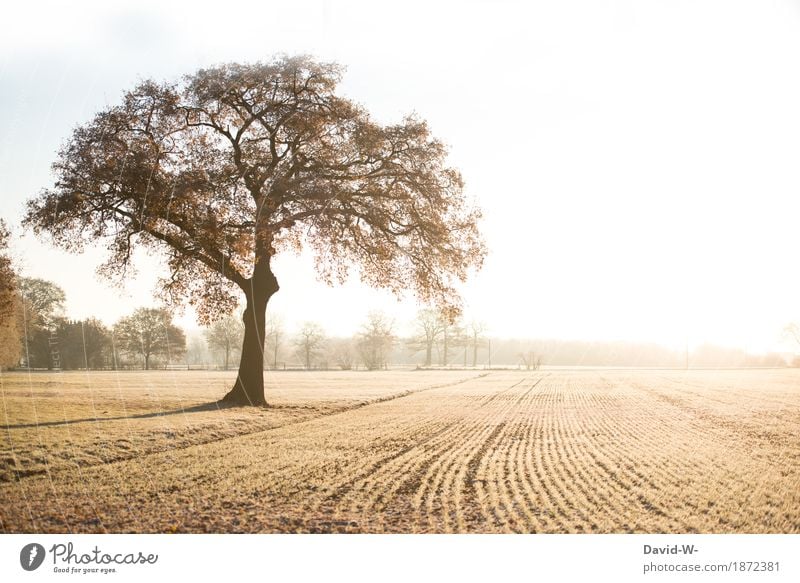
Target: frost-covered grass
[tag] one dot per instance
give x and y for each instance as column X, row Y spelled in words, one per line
column 456, row 451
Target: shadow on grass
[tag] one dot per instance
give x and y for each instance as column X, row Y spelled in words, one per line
column 213, row 406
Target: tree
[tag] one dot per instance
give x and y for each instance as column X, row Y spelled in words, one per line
column 226, row 336
column 10, row 333
column 197, row 352
column 8, row 278
column 274, row 335
column 375, row 340
column 452, row 335
column 150, row 332
column 531, row 360
column 42, row 311
column 308, row 341
column 83, row 344
column 234, row 164
column 462, row 339
column 342, row 352
column 44, row 301
column 429, row 326
column 476, row 331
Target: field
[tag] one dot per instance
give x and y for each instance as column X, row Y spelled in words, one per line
column 416, row 451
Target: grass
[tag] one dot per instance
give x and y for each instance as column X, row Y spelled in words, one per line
column 438, row 451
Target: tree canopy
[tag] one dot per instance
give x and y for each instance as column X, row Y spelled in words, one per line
column 44, row 301
column 150, row 332
column 7, row 276
column 43, row 307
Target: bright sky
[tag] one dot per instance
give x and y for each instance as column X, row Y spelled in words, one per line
column 637, row 161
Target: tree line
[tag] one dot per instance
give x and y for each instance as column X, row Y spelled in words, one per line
column 36, row 332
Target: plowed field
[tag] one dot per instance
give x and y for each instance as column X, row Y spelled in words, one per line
column 456, row 451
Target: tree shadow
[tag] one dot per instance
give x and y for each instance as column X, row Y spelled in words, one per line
column 204, row 407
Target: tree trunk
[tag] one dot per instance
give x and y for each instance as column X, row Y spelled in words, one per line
column 146, row 362
column 428, row 350
column 249, row 386
column 474, row 353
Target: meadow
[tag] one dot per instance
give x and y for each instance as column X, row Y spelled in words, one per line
column 548, row 451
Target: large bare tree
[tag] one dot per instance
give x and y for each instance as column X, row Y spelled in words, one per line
column 233, row 164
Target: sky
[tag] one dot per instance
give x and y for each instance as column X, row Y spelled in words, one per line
column 636, row 162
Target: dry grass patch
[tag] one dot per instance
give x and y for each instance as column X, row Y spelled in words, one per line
column 55, row 421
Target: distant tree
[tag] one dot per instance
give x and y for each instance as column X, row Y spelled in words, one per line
column 197, row 350
column 530, row 360
column 225, row 335
column 342, row 352
column 150, row 332
column 428, row 328
column 42, row 309
column 309, row 341
column 44, row 301
column 228, row 167
column 452, row 336
column 792, row 331
column 476, row 339
column 773, row 360
column 83, row 344
column 375, row 340
column 463, row 340
column 10, row 332
column 712, row 356
column 274, row 337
